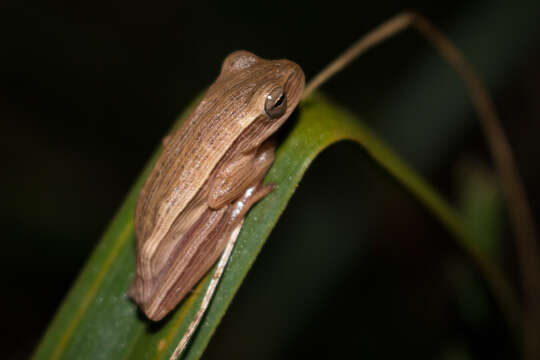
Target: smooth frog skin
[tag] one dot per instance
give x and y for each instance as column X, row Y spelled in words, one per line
column 208, row 176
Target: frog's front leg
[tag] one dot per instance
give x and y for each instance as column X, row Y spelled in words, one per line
column 241, row 171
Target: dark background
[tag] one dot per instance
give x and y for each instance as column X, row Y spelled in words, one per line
column 355, row 265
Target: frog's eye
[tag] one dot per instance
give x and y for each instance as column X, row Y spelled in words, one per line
column 276, row 103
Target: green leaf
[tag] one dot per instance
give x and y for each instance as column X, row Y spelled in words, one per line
column 98, row 321
column 482, row 205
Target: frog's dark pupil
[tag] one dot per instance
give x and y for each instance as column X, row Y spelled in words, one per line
column 280, row 100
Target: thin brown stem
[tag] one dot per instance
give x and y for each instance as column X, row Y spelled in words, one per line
column 384, row 31
column 520, row 213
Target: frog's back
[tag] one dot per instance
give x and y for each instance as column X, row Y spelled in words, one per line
column 192, row 152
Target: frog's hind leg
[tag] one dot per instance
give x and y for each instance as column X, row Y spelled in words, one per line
column 236, row 213
column 208, row 294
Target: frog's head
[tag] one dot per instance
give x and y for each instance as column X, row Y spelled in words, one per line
column 268, row 89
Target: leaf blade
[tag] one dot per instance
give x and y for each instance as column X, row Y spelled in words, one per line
column 97, row 320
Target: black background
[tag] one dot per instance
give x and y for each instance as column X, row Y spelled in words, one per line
column 88, row 90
